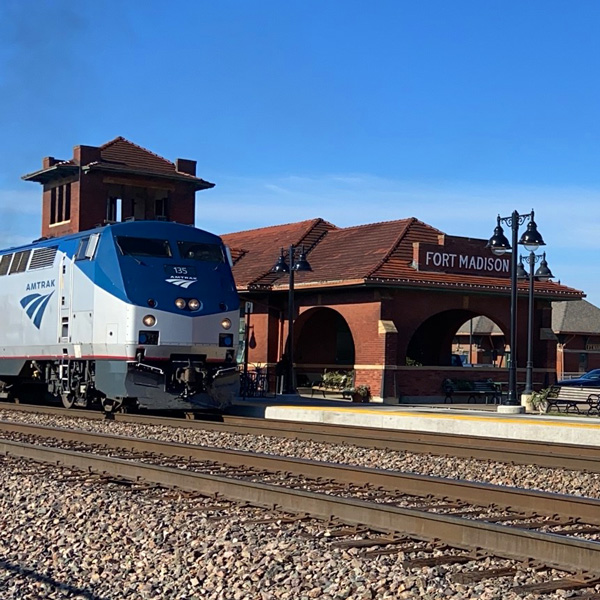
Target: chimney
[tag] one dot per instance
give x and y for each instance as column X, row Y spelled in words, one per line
column 48, row 161
column 84, row 155
column 183, row 165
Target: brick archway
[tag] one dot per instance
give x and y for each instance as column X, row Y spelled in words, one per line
column 324, row 338
column 431, row 343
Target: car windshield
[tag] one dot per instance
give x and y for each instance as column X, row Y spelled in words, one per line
column 595, row 374
column 201, row 252
column 135, row 246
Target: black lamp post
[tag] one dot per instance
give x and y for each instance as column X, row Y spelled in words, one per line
column 543, row 274
column 499, row 245
column 301, row 264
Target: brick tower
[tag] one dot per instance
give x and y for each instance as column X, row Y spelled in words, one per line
column 115, row 182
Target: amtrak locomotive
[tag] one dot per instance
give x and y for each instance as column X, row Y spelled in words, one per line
column 142, row 314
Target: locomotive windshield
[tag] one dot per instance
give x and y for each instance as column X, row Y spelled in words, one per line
column 135, row 246
column 201, row 252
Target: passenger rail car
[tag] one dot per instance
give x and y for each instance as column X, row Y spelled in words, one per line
column 140, row 313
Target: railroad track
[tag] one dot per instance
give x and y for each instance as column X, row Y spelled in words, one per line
column 473, row 520
column 565, row 456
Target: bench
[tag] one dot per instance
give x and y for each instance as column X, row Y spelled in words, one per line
column 571, row 398
column 334, row 381
column 472, row 389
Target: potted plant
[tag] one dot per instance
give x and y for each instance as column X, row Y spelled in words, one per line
column 360, row 393
column 539, row 400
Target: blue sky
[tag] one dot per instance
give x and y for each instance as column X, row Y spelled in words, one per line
column 353, row 111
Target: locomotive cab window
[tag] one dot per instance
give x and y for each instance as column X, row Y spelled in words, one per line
column 87, row 247
column 201, row 252
column 134, row 246
column 83, row 242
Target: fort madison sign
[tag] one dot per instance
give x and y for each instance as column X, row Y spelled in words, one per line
column 462, row 256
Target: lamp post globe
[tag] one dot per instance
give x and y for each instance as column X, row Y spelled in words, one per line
column 498, row 243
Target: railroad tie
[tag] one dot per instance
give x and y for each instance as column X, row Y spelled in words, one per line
column 557, row 584
column 432, row 561
column 365, row 543
column 466, row 577
column 395, row 550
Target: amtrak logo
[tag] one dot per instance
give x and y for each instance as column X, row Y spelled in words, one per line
column 183, row 283
column 35, row 305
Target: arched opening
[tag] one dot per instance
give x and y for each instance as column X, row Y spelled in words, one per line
column 324, row 338
column 435, row 341
column 480, row 341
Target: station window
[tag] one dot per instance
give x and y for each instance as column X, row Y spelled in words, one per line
column 160, row 209
column 60, row 204
column 114, row 210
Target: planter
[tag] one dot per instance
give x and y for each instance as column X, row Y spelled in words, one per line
column 358, row 398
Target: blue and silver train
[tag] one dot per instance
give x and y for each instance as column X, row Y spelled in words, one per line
column 140, row 314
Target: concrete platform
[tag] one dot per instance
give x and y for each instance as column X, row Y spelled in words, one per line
column 482, row 420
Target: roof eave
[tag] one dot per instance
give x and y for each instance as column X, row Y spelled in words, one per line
column 46, row 175
column 196, row 182
column 409, row 284
column 465, row 286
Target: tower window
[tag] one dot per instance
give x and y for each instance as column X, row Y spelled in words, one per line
column 52, row 206
column 160, row 209
column 113, row 210
column 60, row 204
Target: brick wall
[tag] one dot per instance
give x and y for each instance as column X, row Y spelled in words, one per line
column 382, row 324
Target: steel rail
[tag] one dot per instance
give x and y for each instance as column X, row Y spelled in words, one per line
column 517, row 499
column 544, row 454
column 560, row 552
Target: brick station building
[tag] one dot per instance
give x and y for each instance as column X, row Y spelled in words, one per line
column 381, row 298
column 386, row 300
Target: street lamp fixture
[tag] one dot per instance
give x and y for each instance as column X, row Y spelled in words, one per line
column 499, row 244
column 281, row 267
column 542, row 274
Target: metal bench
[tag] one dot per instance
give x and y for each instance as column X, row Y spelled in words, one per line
column 340, row 383
column 472, row 389
column 571, row 398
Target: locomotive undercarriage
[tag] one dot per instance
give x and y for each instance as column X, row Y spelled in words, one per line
column 180, row 383
column 71, row 381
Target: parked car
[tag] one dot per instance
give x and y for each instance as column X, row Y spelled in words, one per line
column 589, row 379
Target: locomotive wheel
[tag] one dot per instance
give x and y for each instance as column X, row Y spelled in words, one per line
column 67, row 400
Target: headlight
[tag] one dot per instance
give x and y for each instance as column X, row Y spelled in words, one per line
column 149, row 320
column 226, row 324
column 194, row 304
column 180, row 303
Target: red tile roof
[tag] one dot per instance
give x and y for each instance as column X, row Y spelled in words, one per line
column 373, row 254
column 121, row 155
column 125, row 156
column 123, row 152
column 257, row 250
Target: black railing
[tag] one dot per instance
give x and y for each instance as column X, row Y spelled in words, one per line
column 254, row 384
